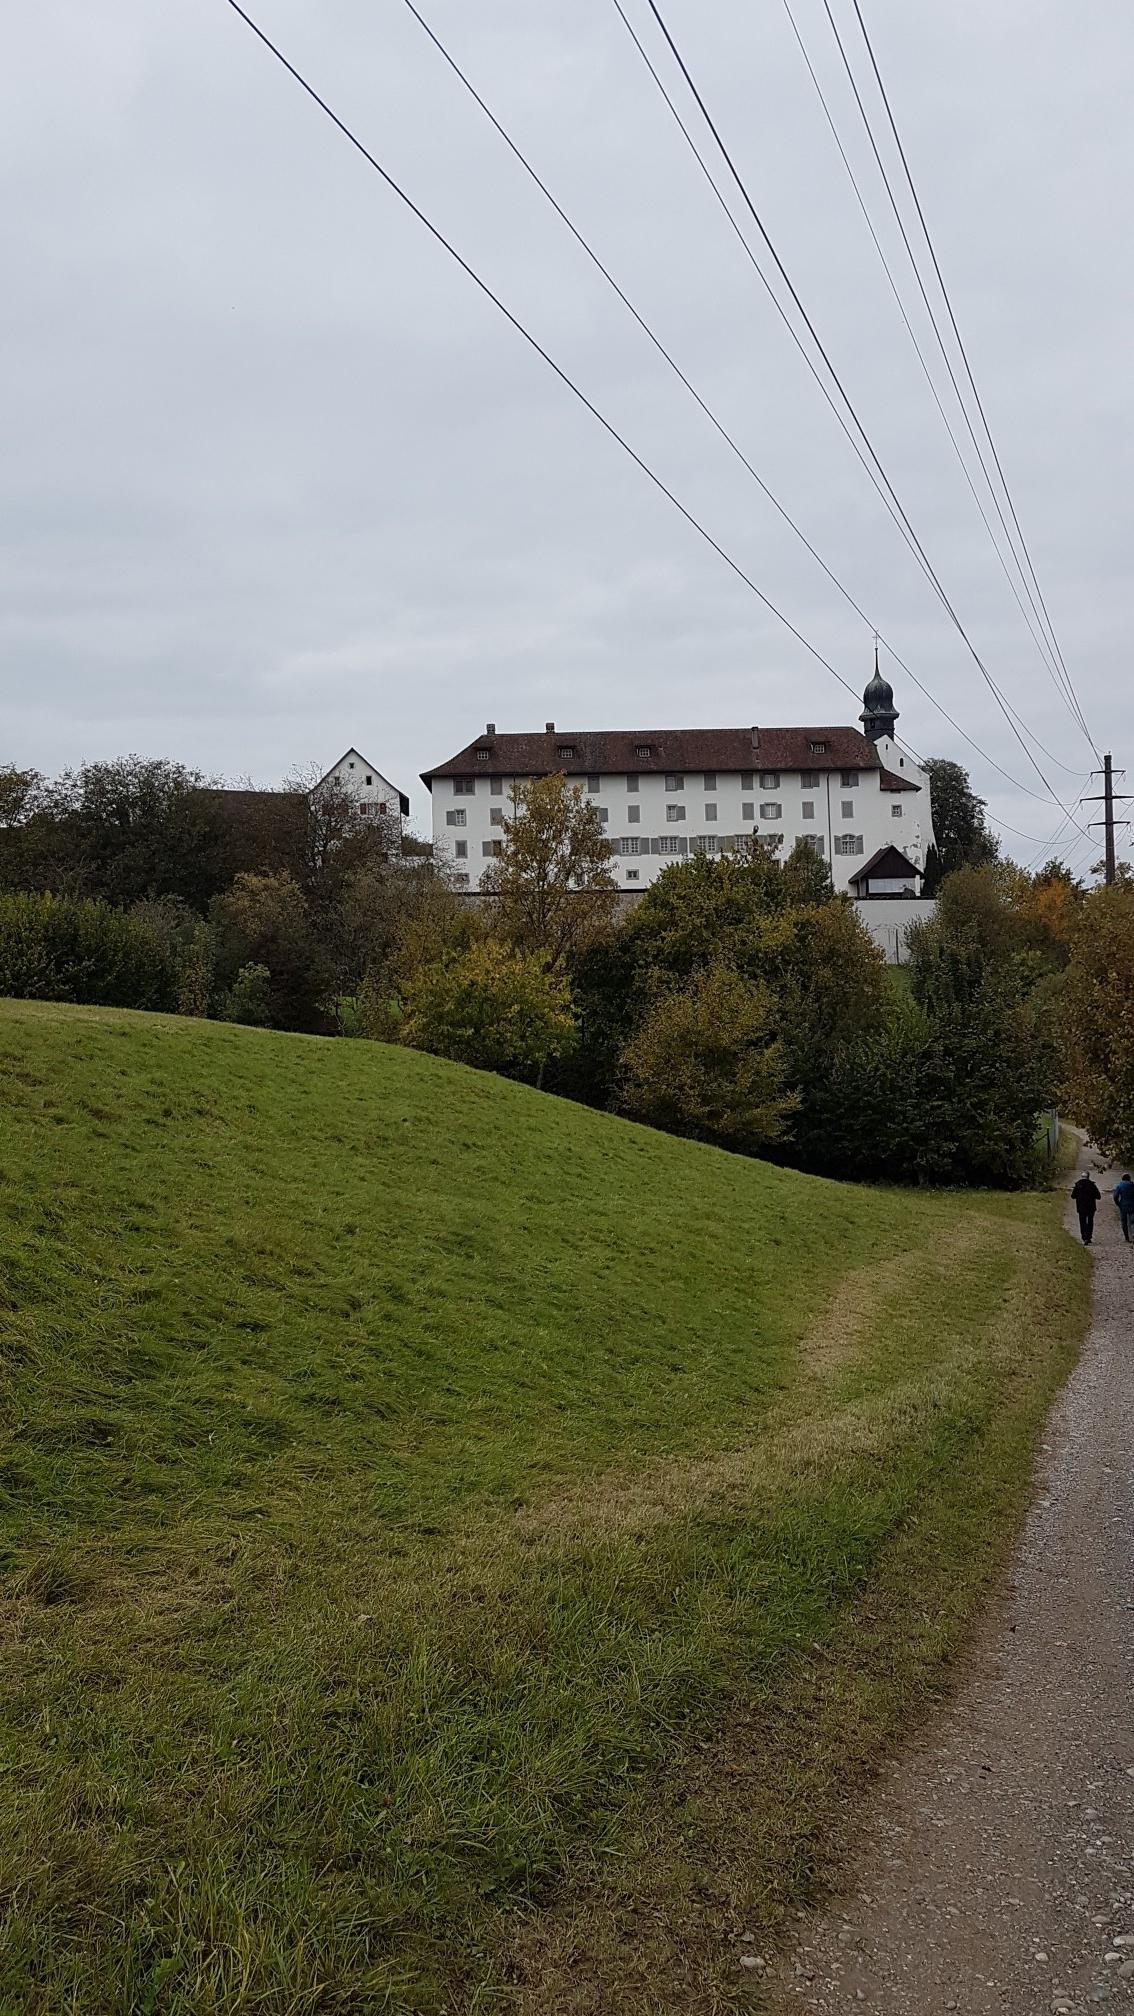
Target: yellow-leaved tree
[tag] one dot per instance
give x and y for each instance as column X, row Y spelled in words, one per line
column 1099, row 1019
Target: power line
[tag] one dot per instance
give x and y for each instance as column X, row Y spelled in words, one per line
column 1037, row 636
column 741, row 186
column 965, row 360
column 608, row 425
column 705, row 408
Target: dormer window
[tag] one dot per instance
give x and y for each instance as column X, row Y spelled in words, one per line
column 482, row 755
column 566, row 750
column 818, row 748
column 644, row 749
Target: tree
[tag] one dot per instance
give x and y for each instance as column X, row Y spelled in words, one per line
column 962, row 834
column 552, row 882
column 264, row 920
column 490, row 1006
column 1099, row 1020
column 706, row 1062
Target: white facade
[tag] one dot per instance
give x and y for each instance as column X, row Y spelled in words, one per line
column 860, row 796
column 373, row 794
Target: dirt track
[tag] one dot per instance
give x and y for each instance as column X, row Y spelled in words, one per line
column 997, row 1867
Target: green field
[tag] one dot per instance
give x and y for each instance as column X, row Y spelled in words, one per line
column 461, row 1551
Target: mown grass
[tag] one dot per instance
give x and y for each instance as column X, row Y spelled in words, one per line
column 459, row 1550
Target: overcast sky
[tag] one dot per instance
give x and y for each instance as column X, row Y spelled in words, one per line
column 276, row 479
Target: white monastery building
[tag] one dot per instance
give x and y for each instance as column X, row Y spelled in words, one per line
column 858, row 799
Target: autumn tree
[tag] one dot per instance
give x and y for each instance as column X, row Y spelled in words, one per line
column 552, row 883
column 707, row 1062
column 491, row 1006
column 1099, row 1019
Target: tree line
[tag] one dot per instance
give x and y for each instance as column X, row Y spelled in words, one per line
column 739, row 1002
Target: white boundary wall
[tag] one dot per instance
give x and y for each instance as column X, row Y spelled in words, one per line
column 888, row 918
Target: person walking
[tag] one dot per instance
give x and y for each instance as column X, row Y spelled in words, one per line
column 1086, row 1194
column 1124, row 1198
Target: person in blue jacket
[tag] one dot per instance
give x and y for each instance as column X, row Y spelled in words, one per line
column 1124, row 1198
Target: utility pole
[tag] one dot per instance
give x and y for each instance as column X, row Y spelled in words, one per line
column 1105, row 798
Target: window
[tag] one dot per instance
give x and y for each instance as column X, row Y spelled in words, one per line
column 350, row 765
column 464, row 787
column 809, row 779
column 456, row 818
column 668, row 843
column 818, row 748
column 746, row 780
column 603, row 814
column 895, row 811
column 594, row 784
column 644, row 749
column 633, row 875
column 848, row 843
column 809, row 808
column 816, row 842
column 369, row 781
column 748, row 810
column 462, row 881
column 496, row 816
column 381, row 808
column 710, row 780
column 710, row 811
column 462, row 850
column 630, row 846
column 848, row 808
column 674, row 781
column 482, row 755
column 631, row 781
column 634, row 814
column 498, row 787
column 492, row 848
column 848, row 779
column 771, row 809
column 674, row 813
column 565, row 749
column 769, row 780
column 364, row 807
column 706, row 843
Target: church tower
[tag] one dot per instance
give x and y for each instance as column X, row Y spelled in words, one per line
column 879, row 716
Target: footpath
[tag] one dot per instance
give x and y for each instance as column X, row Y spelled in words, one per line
column 996, row 1872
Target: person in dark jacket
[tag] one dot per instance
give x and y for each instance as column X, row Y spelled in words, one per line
column 1124, row 1198
column 1086, row 1194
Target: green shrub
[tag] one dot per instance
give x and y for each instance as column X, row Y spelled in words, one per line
column 249, row 999
column 499, row 1010
column 56, row 948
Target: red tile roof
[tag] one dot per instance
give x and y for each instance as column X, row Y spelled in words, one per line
column 618, row 751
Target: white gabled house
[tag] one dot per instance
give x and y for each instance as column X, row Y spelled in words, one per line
column 374, row 795
column 663, row 794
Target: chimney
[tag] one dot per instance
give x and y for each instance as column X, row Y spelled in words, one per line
column 490, row 727
column 549, row 727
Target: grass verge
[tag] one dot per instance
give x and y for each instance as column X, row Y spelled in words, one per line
column 460, row 1550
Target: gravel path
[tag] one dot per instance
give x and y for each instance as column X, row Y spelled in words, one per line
column 997, row 1871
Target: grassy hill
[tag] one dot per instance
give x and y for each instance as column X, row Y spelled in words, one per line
column 460, row 1549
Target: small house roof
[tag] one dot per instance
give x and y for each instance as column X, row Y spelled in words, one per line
column 888, row 864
